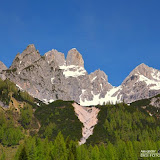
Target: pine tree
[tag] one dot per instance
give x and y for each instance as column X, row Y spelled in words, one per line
column 23, row 155
column 60, row 150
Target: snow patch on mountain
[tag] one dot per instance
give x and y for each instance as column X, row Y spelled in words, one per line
column 153, row 84
column 52, row 79
column 112, row 96
column 156, row 74
column 19, row 87
column 72, row 71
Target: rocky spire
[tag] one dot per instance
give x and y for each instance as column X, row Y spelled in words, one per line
column 55, row 56
column 74, row 58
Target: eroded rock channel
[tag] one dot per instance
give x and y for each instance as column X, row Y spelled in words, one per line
column 88, row 116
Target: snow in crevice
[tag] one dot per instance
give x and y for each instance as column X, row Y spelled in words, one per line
column 101, row 86
column 52, row 79
column 88, row 116
column 72, row 71
column 19, row 87
column 103, row 79
column 93, row 78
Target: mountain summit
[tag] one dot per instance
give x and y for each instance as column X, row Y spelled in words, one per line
column 51, row 77
column 74, row 58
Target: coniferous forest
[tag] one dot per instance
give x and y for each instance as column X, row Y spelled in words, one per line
column 32, row 130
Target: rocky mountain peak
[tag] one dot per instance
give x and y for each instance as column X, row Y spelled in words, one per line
column 26, row 58
column 2, row 68
column 30, row 48
column 55, row 56
column 142, row 69
column 99, row 74
column 74, row 58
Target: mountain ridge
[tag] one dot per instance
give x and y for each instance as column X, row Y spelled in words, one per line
column 52, row 76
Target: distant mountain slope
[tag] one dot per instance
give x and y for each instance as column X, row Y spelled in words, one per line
column 52, row 77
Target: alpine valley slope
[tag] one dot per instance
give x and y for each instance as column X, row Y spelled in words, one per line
column 52, row 77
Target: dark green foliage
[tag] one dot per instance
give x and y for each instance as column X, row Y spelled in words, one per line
column 8, row 88
column 145, row 107
column 23, row 155
column 26, row 115
column 25, row 97
column 2, row 156
column 9, row 71
column 5, row 88
column 61, row 149
column 59, row 116
column 123, row 122
column 9, row 134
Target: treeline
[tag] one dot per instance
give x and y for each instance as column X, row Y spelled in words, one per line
column 35, row 148
column 8, row 89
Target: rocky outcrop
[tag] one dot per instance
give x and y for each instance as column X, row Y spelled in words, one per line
column 88, row 116
column 57, row 57
column 2, row 68
column 74, row 58
column 155, row 102
column 27, row 58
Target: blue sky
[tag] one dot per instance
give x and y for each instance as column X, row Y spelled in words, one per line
column 114, row 36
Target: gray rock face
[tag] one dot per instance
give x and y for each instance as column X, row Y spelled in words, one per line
column 51, row 77
column 2, row 67
column 143, row 82
column 74, row 58
column 99, row 81
column 26, row 59
column 57, row 57
column 155, row 102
